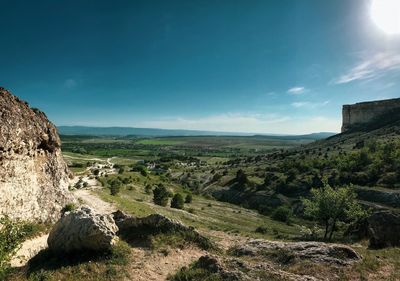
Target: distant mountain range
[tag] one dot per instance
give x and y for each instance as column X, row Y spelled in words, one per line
column 150, row 132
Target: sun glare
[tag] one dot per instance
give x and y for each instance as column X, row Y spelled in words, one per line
column 386, row 15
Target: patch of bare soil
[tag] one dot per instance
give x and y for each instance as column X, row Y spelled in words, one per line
column 225, row 240
column 152, row 266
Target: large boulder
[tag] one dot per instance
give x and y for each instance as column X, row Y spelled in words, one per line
column 131, row 227
column 81, row 230
column 33, row 174
column 384, row 229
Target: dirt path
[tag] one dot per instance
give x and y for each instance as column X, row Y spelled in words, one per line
column 149, row 266
column 94, row 201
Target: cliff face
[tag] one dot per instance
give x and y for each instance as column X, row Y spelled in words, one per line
column 33, row 174
column 361, row 113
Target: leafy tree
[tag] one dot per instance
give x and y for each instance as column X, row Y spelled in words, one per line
column 330, row 206
column 189, row 198
column 140, row 168
column 177, row 201
column 160, row 195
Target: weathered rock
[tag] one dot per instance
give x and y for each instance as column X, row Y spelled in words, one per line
column 83, row 229
column 233, row 269
column 384, row 229
column 315, row 251
column 130, row 226
column 33, row 174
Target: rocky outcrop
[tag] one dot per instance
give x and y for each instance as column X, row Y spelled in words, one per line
column 33, row 174
column 384, row 229
column 82, row 230
column 233, row 269
column 315, row 251
column 364, row 112
column 131, row 227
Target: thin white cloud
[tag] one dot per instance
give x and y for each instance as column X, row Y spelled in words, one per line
column 70, row 83
column 308, row 104
column 371, row 67
column 297, row 90
column 248, row 123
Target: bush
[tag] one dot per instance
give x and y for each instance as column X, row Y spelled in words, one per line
column 282, row 213
column 177, row 201
column 241, row 177
column 160, row 196
column 69, row 207
column 140, row 168
column 115, row 186
column 11, row 236
column 262, row 230
column 148, row 189
column 189, row 198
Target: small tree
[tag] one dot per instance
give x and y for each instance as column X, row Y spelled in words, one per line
column 188, row 198
column 160, row 196
column 330, row 206
column 115, row 186
column 241, row 177
column 177, row 201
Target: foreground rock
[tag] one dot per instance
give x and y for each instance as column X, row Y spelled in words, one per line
column 133, row 227
column 233, row 269
column 257, row 259
column 384, row 229
column 83, row 229
column 287, row 251
column 33, row 174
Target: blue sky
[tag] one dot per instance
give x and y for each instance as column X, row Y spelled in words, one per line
column 262, row 66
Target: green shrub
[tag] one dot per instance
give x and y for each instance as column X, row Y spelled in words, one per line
column 69, row 207
column 140, row 168
column 148, row 189
column 177, row 201
column 282, row 213
column 262, row 229
column 160, row 196
column 11, row 237
column 115, row 187
column 189, row 198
